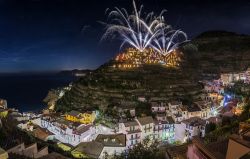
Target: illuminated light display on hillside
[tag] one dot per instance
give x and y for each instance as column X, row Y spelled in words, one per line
column 147, row 37
column 133, row 58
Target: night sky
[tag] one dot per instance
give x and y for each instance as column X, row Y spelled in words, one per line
column 49, row 35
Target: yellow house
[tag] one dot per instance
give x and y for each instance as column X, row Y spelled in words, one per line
column 73, row 116
column 3, row 113
column 3, row 154
column 84, row 118
column 87, row 118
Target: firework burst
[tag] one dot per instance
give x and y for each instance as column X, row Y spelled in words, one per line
column 143, row 31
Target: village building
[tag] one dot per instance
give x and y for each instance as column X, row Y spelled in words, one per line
column 214, row 87
column 164, row 130
column 30, row 151
column 3, row 104
column 43, row 134
column 3, row 154
column 66, row 131
column 174, row 110
column 147, row 126
column 158, row 107
column 132, row 131
column 84, row 118
column 199, row 150
column 103, row 145
column 206, row 109
column 230, row 78
column 186, row 129
column 114, row 144
column 239, row 144
column 3, row 113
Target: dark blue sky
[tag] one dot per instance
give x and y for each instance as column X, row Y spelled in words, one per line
column 48, row 35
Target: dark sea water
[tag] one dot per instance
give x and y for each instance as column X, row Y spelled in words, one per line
column 27, row 91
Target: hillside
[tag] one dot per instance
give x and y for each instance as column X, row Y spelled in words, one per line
column 209, row 53
column 220, row 51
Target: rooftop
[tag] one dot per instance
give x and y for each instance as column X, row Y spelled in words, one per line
column 131, row 123
column 145, row 120
column 74, row 113
column 82, row 129
column 112, row 140
column 42, row 133
column 244, row 139
column 193, row 108
column 194, row 121
column 91, row 149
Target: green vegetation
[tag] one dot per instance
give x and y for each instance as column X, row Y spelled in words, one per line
column 145, row 150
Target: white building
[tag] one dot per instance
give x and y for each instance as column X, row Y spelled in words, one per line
column 103, row 145
column 214, row 86
column 206, row 109
column 164, row 130
column 112, row 144
column 158, row 107
column 147, row 126
column 181, row 112
column 69, row 132
column 230, row 78
column 132, row 131
column 185, row 130
column 174, row 111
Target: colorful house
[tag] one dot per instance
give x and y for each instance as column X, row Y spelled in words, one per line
column 84, row 118
column 87, row 118
column 3, row 154
column 3, row 113
column 73, row 116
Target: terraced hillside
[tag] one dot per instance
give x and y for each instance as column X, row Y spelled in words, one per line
column 209, row 53
column 222, row 51
column 109, row 86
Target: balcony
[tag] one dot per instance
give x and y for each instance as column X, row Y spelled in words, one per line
column 135, row 138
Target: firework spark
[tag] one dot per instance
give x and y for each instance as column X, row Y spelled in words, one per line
column 143, row 31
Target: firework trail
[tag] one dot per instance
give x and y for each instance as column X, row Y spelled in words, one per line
column 142, row 32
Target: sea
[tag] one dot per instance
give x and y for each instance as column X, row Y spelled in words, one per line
column 26, row 91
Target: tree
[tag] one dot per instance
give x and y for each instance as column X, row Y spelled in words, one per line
column 210, row 127
column 147, row 149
